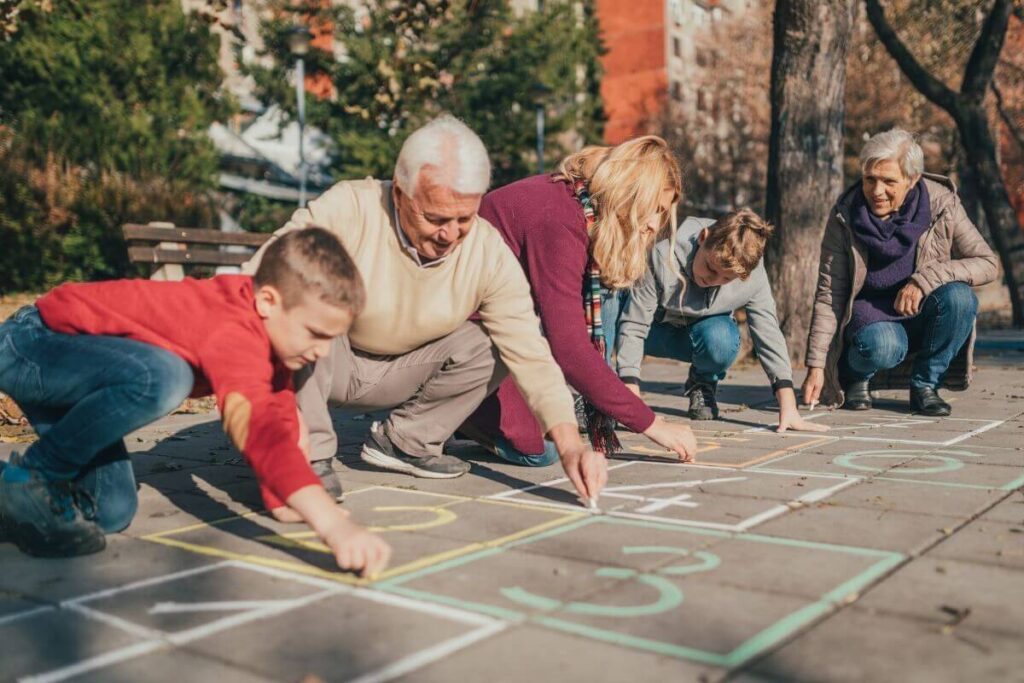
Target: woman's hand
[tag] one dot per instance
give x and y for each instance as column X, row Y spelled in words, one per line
column 813, row 384
column 635, row 388
column 675, row 437
column 908, row 301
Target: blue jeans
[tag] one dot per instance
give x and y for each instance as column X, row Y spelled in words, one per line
column 937, row 333
column 508, row 453
column 82, row 394
column 709, row 344
column 612, row 303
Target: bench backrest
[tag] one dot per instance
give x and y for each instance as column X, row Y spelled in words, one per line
column 171, row 247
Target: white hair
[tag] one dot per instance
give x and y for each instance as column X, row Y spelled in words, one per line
column 453, row 149
column 896, row 145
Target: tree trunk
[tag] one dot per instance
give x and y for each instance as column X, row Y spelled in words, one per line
column 805, row 157
column 1006, row 234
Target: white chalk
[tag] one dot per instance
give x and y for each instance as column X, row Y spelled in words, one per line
column 592, row 504
column 813, row 403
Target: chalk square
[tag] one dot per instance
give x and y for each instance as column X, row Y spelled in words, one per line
column 696, row 495
column 667, row 607
column 956, row 466
column 422, row 528
column 732, row 446
column 901, row 428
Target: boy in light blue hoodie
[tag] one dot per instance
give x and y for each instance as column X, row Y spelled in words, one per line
column 683, row 309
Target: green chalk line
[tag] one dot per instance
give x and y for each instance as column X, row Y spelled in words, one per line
column 764, row 639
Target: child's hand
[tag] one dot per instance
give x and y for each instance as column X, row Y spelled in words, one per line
column 356, row 549
column 790, row 419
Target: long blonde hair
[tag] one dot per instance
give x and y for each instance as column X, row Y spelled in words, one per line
column 625, row 184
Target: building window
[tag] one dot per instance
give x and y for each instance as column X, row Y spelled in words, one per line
column 676, row 9
column 677, row 91
column 677, row 47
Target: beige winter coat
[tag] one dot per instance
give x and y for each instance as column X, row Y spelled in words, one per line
column 951, row 250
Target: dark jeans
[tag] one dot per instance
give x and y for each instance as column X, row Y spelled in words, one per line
column 82, row 394
column 937, row 333
column 709, row 344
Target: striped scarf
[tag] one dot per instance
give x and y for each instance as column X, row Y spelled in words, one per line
column 600, row 427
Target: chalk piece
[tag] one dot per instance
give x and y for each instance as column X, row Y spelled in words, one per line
column 592, row 504
column 813, row 403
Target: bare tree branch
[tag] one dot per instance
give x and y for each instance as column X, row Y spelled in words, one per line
column 1015, row 131
column 982, row 64
column 929, row 86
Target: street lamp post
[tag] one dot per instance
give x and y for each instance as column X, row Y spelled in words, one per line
column 298, row 43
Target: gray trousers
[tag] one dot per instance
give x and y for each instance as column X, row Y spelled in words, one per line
column 432, row 389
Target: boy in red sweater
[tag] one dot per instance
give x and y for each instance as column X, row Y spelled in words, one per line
column 90, row 363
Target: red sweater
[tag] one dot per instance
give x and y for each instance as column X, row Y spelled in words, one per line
column 212, row 325
column 543, row 224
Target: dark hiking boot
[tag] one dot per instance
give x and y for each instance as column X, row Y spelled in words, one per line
column 926, row 401
column 379, row 451
column 47, row 518
column 858, row 396
column 703, row 405
column 329, row 478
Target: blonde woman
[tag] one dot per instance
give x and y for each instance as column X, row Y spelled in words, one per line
column 583, row 236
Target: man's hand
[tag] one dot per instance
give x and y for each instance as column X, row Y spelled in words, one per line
column 356, row 549
column 635, row 388
column 678, row 438
column 908, row 301
column 587, row 469
column 813, row 383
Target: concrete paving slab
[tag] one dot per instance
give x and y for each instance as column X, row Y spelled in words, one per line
column 856, row 646
column 47, row 581
column 929, row 587
column 985, row 542
column 910, row 496
column 350, row 635
column 861, row 527
column 1010, row 510
column 39, row 641
column 171, row 667
column 533, row 653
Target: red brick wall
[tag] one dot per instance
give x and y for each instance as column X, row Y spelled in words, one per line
column 635, row 79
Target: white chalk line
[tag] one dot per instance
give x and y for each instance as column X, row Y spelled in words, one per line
column 430, row 655
column 158, row 640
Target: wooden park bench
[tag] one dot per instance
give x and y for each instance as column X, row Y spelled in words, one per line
column 169, row 248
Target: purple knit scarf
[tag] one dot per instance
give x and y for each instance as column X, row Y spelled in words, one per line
column 891, row 246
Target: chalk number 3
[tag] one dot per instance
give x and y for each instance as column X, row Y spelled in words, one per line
column 669, row 594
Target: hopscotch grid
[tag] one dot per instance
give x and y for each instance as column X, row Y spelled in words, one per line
column 156, row 640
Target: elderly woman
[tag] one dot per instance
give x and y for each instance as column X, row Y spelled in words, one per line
column 583, row 235
column 898, row 260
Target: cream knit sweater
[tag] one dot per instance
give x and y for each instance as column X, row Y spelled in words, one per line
column 408, row 305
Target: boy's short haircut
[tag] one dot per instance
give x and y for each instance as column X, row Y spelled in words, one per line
column 312, row 260
column 736, row 241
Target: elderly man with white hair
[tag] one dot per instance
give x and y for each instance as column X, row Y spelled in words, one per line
column 898, row 260
column 429, row 262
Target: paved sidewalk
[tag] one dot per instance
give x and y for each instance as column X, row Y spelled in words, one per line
column 891, row 548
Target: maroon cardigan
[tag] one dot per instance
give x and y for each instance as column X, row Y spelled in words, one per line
column 544, row 226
